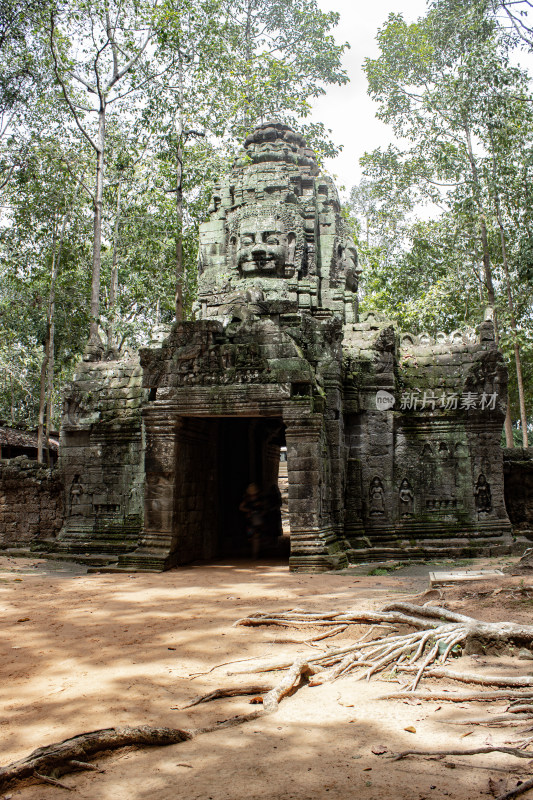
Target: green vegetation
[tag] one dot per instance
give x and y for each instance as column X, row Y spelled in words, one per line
column 451, row 89
column 117, row 117
column 115, row 120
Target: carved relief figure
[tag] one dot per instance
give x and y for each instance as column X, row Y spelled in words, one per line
column 159, row 501
column 483, row 495
column 350, row 267
column 76, row 492
column 377, row 497
column 406, row 499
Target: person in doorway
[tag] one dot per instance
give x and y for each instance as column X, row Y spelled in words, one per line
column 252, row 507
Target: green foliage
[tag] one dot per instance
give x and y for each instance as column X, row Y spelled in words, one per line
column 211, row 69
column 463, row 114
column 39, row 194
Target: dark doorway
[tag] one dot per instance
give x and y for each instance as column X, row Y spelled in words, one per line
column 217, row 459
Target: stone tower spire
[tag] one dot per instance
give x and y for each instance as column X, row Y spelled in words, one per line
column 275, row 238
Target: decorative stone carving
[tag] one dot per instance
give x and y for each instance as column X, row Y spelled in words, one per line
column 275, row 228
column 271, row 244
column 406, row 499
column 483, row 495
column 277, row 356
column 377, row 497
column 76, row 492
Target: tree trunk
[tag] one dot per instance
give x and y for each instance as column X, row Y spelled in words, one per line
column 179, row 232
column 512, row 316
column 97, row 241
column 516, row 346
column 42, row 400
column 44, row 365
column 487, row 267
column 509, row 438
column 50, row 329
column 12, row 408
column 113, row 286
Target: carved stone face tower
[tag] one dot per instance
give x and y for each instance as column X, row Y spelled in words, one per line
column 275, row 236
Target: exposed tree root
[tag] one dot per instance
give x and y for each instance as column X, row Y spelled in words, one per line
column 495, row 719
column 328, row 634
column 71, row 754
column 61, row 757
column 434, row 634
column 52, row 782
column 438, row 633
column 518, row 790
column 299, row 669
column 235, row 691
column 474, row 751
column 472, row 677
column 458, row 697
column 520, row 708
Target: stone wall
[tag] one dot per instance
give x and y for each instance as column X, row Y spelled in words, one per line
column 31, row 502
column 424, row 471
column 518, row 470
column 392, row 440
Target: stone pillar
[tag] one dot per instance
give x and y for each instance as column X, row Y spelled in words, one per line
column 314, row 545
column 155, row 547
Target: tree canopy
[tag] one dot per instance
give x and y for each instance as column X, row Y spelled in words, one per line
column 117, row 116
column 445, row 213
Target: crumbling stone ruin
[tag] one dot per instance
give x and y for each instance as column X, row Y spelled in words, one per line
column 393, row 440
column 31, row 502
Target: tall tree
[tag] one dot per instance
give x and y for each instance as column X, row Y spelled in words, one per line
column 441, row 82
column 112, row 67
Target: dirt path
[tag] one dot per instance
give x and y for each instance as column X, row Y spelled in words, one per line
column 90, row 651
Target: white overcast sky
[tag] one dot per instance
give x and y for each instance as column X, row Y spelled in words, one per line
column 348, row 110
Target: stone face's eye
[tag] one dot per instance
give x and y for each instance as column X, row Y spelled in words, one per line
column 247, row 240
column 270, row 239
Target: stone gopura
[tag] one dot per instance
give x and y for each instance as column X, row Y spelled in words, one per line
column 393, row 440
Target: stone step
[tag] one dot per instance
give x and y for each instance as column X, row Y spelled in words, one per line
column 100, row 546
column 125, row 569
column 429, row 552
column 93, row 559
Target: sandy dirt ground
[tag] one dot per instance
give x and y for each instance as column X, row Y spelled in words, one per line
column 87, row 651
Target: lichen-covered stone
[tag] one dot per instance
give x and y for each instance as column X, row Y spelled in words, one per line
column 392, row 439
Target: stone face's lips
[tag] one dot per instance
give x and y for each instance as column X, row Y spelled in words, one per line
column 259, row 263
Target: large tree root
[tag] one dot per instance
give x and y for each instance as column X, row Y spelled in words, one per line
column 71, row 755
column 299, row 669
column 459, row 697
column 474, row 751
column 518, row 790
column 438, row 633
column 66, row 756
column 472, row 677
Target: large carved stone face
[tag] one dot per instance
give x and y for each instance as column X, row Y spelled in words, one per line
column 264, row 247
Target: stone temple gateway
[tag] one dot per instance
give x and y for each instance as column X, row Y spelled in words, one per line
column 392, row 439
